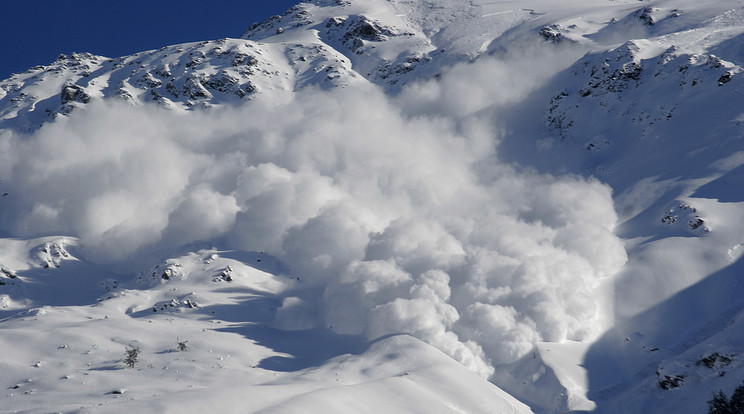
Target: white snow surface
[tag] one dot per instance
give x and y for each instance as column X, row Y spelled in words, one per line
column 383, row 206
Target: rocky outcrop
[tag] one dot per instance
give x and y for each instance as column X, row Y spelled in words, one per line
column 616, row 82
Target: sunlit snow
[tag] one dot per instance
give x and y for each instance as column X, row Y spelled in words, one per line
column 382, row 206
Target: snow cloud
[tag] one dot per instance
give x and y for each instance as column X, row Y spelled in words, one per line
column 394, row 208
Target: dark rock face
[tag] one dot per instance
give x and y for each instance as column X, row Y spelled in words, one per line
column 553, row 34
column 364, row 28
column 74, row 93
column 355, row 31
column 645, row 16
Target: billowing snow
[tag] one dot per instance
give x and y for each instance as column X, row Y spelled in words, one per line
column 377, row 206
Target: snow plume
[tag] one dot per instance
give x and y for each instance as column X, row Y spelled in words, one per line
column 405, row 223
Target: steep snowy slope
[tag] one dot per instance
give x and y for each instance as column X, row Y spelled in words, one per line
column 669, row 143
column 546, row 195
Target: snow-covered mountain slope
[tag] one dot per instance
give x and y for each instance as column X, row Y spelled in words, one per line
column 543, row 194
column 669, row 143
column 199, row 323
column 322, row 43
column 177, row 77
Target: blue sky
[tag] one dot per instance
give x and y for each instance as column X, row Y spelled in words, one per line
column 36, row 32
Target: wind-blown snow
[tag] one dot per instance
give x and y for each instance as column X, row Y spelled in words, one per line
column 405, row 222
column 353, row 170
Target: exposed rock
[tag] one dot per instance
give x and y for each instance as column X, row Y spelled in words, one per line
column 645, row 15
column 194, row 89
column 554, row 35
column 74, row 93
column 176, row 304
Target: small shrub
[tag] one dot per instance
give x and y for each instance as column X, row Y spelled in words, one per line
column 720, row 404
column 182, row 345
column 736, row 403
column 131, row 356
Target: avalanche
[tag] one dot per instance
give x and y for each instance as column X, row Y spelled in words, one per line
column 382, row 206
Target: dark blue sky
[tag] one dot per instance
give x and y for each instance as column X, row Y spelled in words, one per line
column 35, row 32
